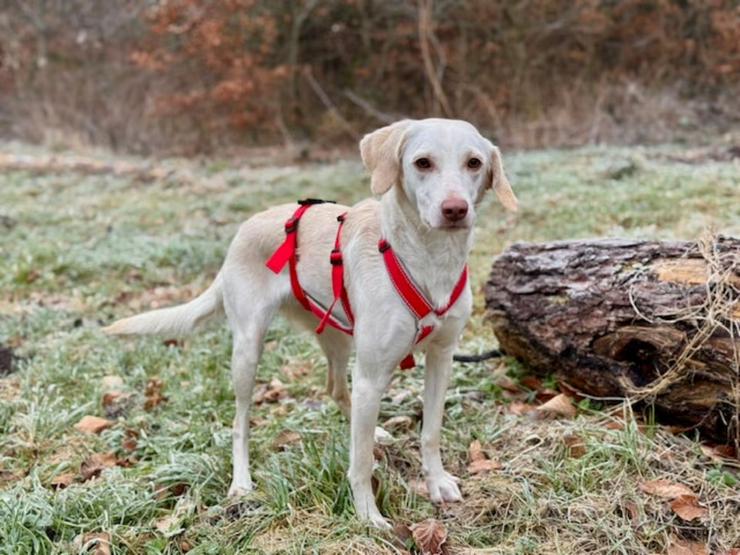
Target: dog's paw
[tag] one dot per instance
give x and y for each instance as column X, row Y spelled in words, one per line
column 443, row 488
column 374, row 518
column 241, row 489
column 382, row 437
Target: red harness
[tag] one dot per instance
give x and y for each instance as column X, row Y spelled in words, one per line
column 414, row 299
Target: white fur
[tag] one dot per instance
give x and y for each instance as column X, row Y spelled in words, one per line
column 409, row 216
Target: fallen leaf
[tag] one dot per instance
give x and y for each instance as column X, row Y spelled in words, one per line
column 172, row 343
column 153, row 393
column 430, row 537
column 634, row 512
column 687, row 508
column 475, row 451
column 719, row 453
column 93, row 424
column 185, row 546
column 95, row 543
column 531, row 382
column 485, row 465
column 678, row 546
column 507, row 384
column 399, row 422
column 575, row 445
column 479, row 463
column 130, row 440
column 270, row 393
column 286, row 437
column 62, row 480
column 560, row 405
column 665, row 489
column 171, row 525
column 111, row 398
column 520, row 408
column 403, row 534
column 96, row 463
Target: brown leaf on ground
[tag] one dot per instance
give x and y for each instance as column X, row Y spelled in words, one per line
column 400, row 422
column 93, row 424
column 286, row 437
column 665, row 489
column 475, row 451
column 153, row 393
column 507, row 384
column 479, row 463
column 687, row 508
column 560, row 405
column 633, row 511
column 111, row 398
column 678, row 546
column 270, row 393
column 531, row 382
column 430, row 537
column 575, row 445
column 482, row 466
column 62, row 480
column 96, row 463
column 719, row 453
column 95, row 543
column 403, row 534
column 520, row 408
column 130, row 440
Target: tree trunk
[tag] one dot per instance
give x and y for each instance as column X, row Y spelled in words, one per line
column 653, row 321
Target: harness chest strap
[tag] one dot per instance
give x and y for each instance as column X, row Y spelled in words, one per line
column 415, row 301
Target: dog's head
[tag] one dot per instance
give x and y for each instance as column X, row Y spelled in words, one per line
column 443, row 166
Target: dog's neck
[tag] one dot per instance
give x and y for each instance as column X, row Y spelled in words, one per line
column 435, row 258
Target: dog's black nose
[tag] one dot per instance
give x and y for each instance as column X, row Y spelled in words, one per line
column 454, row 209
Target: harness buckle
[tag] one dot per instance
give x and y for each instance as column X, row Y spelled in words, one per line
column 291, row 225
column 341, row 218
column 336, row 257
column 383, row 245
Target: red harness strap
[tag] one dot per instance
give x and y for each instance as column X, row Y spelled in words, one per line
column 415, row 300
column 286, row 254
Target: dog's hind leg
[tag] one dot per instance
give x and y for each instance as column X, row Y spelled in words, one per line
column 337, row 347
column 249, row 317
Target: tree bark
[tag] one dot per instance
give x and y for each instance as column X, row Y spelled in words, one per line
column 657, row 322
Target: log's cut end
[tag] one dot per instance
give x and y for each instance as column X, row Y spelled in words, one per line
column 618, row 318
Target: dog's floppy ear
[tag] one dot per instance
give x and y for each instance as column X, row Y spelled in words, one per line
column 381, row 154
column 500, row 183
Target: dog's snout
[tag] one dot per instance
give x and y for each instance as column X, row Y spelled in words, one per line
column 454, row 209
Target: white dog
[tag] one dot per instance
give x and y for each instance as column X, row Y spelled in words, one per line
column 430, row 176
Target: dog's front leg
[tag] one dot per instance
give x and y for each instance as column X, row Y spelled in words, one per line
column 368, row 384
column 441, row 484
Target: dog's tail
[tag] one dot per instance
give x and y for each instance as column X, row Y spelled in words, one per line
column 175, row 321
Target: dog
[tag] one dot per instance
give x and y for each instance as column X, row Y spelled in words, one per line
column 428, row 178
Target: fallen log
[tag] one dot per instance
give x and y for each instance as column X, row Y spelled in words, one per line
column 655, row 322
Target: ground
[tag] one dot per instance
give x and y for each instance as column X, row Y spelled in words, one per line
column 79, row 250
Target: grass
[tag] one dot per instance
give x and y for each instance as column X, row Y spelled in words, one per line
column 78, row 251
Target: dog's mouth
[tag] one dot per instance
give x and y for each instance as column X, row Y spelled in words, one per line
column 455, row 226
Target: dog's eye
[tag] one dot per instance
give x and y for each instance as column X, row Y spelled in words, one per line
column 474, row 163
column 423, row 163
